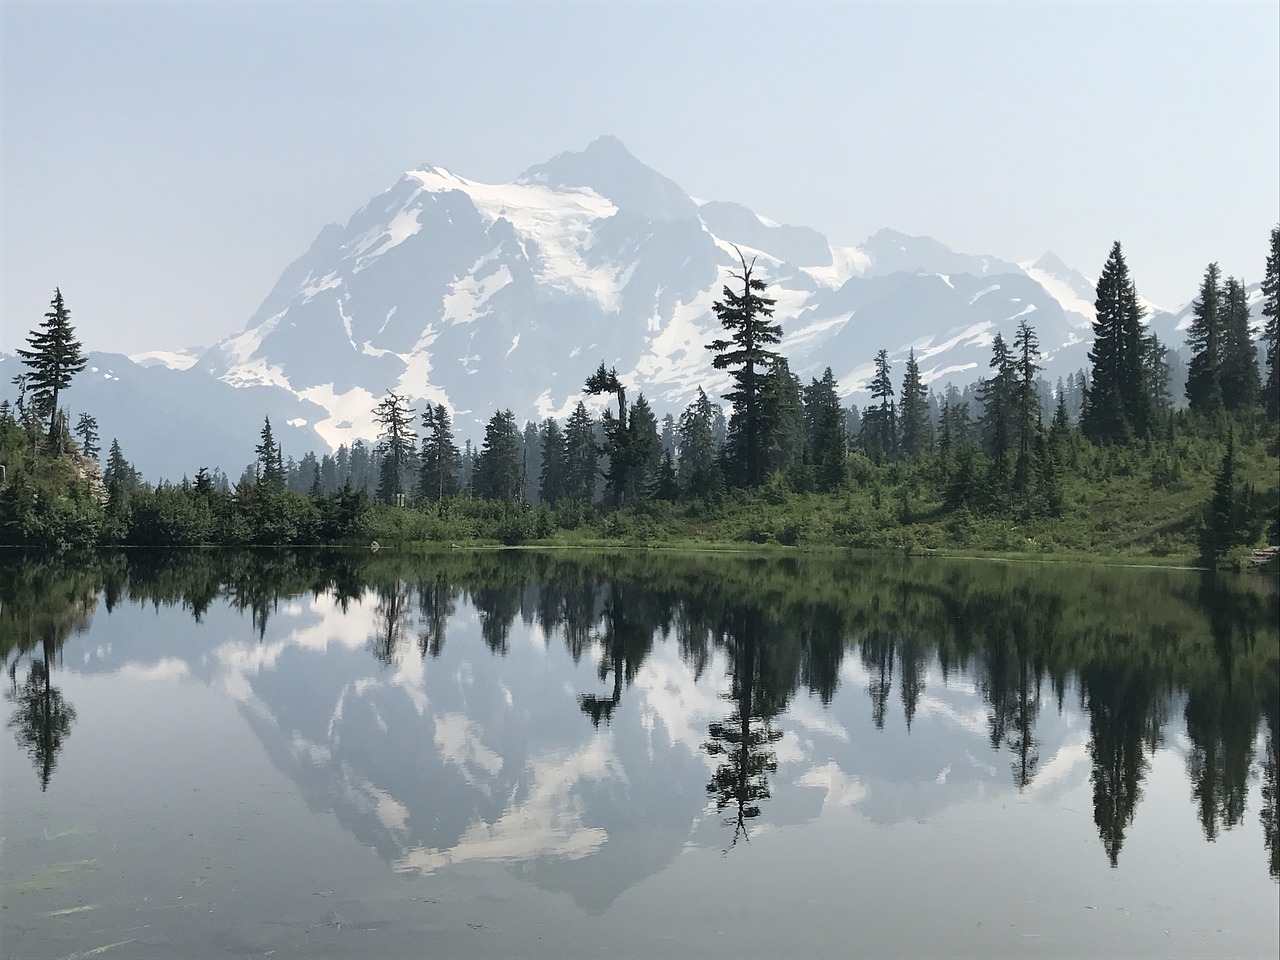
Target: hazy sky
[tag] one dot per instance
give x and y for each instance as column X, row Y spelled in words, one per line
column 163, row 162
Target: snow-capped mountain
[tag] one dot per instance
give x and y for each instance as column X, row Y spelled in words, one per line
column 486, row 296
column 491, row 296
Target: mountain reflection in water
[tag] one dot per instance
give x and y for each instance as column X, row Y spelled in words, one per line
column 582, row 718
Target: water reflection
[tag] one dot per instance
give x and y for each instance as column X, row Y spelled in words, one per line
column 739, row 662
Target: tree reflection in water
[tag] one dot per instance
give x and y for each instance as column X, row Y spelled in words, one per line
column 42, row 717
column 1135, row 645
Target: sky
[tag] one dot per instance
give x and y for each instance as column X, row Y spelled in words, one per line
column 162, row 163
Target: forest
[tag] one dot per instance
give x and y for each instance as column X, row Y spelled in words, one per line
column 1134, row 457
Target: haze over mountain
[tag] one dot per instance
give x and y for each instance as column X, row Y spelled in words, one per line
column 492, row 296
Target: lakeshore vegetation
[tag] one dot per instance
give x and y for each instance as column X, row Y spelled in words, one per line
column 1137, row 457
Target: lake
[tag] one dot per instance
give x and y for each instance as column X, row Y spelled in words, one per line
column 650, row 754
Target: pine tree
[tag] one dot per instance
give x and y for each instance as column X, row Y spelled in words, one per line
column 664, row 485
column 781, row 407
column 999, row 403
column 1026, row 351
column 1204, row 338
column 1222, row 528
column 270, row 463
column 644, row 449
column 440, row 460
column 879, row 433
column 1238, row 376
column 497, row 475
column 119, row 476
column 696, row 463
column 615, row 431
column 396, row 443
column 1156, row 363
column 1117, row 406
column 87, row 431
column 582, row 456
column 745, row 315
column 1271, row 331
column 551, row 481
column 915, row 430
column 54, row 359
column 531, row 452
column 825, row 430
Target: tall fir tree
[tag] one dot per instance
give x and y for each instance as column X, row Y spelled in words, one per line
column 998, row 396
column 878, row 436
column 1271, row 330
column 581, row 456
column 696, row 467
column 497, row 475
column 1026, row 353
column 54, row 359
column 616, row 434
column 440, row 460
column 1238, row 376
column 644, row 450
column 746, row 316
column 87, row 431
column 1204, row 338
column 1117, row 407
column 270, row 463
column 551, row 481
column 1156, row 363
column 781, row 406
column 825, row 430
column 119, row 473
column 915, row 429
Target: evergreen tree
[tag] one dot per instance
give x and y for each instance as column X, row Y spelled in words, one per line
column 915, row 430
column 440, row 460
column 396, row 443
column 781, row 405
column 270, row 464
column 1223, row 528
column 551, row 481
column 825, row 430
column 1026, row 351
column 1271, row 331
column 999, row 404
column 616, row 434
column 665, row 486
column 644, row 450
column 1204, row 338
column 360, row 467
column 1117, row 407
column 497, row 475
column 87, row 431
column 696, row 467
column 1156, row 364
column 581, row 456
column 879, row 433
column 1238, row 376
column 668, row 434
column 745, row 315
column 54, row 359
column 531, row 451
column 119, row 476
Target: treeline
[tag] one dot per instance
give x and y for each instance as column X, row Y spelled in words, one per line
column 1009, row 448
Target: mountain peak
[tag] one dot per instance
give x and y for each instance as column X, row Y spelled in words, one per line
column 611, row 170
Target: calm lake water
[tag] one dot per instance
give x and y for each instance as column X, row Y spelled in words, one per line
column 650, row 755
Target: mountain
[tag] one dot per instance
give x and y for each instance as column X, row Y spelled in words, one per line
column 486, row 296
column 490, row 296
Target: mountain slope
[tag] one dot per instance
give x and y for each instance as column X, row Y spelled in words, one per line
column 487, row 296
